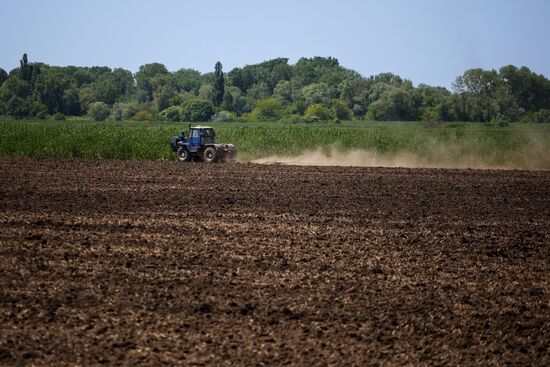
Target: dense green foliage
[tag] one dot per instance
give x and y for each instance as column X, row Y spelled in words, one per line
column 98, row 111
column 268, row 109
column 197, row 110
column 515, row 145
column 172, row 113
column 271, row 90
column 318, row 112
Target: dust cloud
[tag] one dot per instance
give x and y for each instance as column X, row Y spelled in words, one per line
column 534, row 158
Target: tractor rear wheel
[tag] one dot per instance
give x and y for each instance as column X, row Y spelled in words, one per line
column 183, row 154
column 209, row 155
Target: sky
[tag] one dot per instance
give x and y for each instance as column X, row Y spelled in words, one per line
column 426, row 41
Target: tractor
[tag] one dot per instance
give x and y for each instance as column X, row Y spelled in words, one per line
column 200, row 146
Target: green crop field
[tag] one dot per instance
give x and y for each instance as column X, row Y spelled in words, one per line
column 447, row 144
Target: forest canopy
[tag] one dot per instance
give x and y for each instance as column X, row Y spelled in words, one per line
column 312, row 89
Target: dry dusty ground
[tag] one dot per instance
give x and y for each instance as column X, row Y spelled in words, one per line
column 240, row 264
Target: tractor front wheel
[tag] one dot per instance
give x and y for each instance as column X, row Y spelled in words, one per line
column 183, row 154
column 210, row 155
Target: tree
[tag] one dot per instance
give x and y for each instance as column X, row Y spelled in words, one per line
column 117, row 112
column 86, row 97
column 14, row 86
column 198, row 110
column 124, row 111
column 188, row 80
column 268, row 72
column 105, row 90
column 124, row 81
column 281, row 72
column 319, row 112
column 395, row 104
column 258, row 91
column 83, row 76
column 361, row 103
column 112, row 86
column 428, row 96
column 333, row 77
column 172, row 113
column 206, row 92
column 351, row 87
column 25, row 70
column 430, row 114
column 477, row 81
column 387, row 78
column 143, row 78
column 298, row 107
column 143, row 115
column 234, row 100
column 542, row 116
column 430, row 99
column 3, row 76
column 163, row 97
column 28, row 72
column 309, row 71
column 242, row 78
column 283, row 91
column 99, row 111
column 18, row 107
column 317, row 93
column 288, row 91
column 208, row 78
column 531, row 91
column 164, row 87
column 487, row 96
column 376, row 91
column 39, row 109
column 268, row 109
column 219, row 85
column 50, row 89
column 223, row 116
column 341, row 109
column 71, row 102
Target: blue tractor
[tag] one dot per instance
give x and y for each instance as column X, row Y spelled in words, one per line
column 200, row 146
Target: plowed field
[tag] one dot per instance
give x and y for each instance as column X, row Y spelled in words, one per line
column 152, row 262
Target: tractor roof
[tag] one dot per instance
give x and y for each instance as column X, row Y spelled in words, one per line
column 201, row 127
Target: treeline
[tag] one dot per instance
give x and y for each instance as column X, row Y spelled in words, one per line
column 313, row 89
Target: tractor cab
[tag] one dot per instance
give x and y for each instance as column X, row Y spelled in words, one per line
column 200, row 136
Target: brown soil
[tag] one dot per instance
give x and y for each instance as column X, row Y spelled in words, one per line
column 126, row 262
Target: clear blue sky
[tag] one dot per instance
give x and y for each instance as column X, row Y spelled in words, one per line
column 427, row 41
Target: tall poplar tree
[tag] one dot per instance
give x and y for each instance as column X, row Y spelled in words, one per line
column 219, row 84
